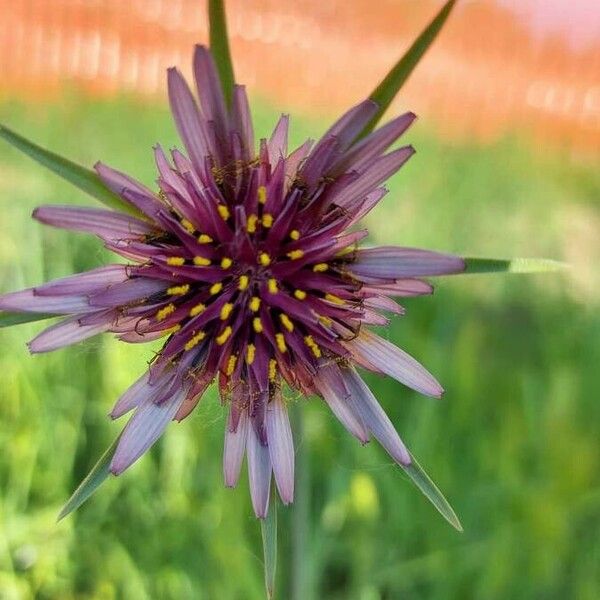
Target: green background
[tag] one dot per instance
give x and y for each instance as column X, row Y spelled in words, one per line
column 513, row 443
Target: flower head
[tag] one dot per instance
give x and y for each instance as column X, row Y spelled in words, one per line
column 247, row 262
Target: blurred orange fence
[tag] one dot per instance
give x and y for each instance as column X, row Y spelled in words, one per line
column 487, row 74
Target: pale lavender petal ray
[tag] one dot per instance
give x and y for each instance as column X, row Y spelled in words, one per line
column 281, row 447
column 259, row 473
column 28, row 301
column 67, row 332
column 83, row 283
column 234, row 449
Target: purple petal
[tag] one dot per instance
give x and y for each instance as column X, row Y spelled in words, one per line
column 108, row 225
column 143, row 429
column 278, row 142
column 259, row 473
column 375, row 418
column 140, row 392
column 391, row 262
column 118, row 181
column 27, row 301
column 189, row 123
column 235, row 446
column 392, row 361
column 67, row 332
column 401, row 287
column 281, row 447
column 83, row 283
column 330, row 384
column 131, row 290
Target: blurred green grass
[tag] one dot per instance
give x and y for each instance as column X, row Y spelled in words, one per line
column 513, row 444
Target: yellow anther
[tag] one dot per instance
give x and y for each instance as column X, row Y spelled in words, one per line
column 196, row 310
column 187, row 225
column 215, row 288
column 280, row 341
column 267, row 220
column 194, row 341
column 272, row 369
column 226, row 310
column 296, row 254
column 250, row 353
column 262, row 194
column 243, row 282
column 264, row 259
column 204, row 239
column 257, row 324
column 171, row 330
column 178, row 290
column 251, row 223
column 286, row 322
column 224, row 336
column 320, row 267
column 223, row 211
column 226, row 263
column 325, row 320
column 165, row 311
column 310, row 342
column 295, row 234
column 272, row 286
column 231, row 365
column 254, row 303
column 300, row 294
column 176, row 261
column 200, row 261
column 334, row 299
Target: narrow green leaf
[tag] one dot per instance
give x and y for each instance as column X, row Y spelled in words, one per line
column 386, row 91
column 91, row 483
column 219, row 46
column 8, row 319
column 81, row 177
column 433, row 494
column 512, row 265
column 268, row 529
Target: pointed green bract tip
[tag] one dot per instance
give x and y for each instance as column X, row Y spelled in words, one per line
column 420, row 478
column 513, row 265
column 8, row 319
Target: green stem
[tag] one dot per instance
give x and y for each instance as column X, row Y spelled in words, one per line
column 219, row 46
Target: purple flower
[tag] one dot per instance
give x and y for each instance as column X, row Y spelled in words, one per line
column 249, row 265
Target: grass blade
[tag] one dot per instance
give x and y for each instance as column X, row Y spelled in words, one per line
column 8, row 319
column 219, row 46
column 268, row 529
column 91, row 483
column 513, row 265
column 386, row 91
column 432, row 493
column 81, row 177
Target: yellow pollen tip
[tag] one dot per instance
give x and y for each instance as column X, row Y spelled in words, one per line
column 310, row 342
column 176, row 261
column 267, row 220
column 226, row 310
column 251, row 223
column 221, row 339
column 254, row 303
column 224, row 212
column 231, row 365
column 194, row 341
column 280, row 341
column 200, row 261
column 178, row 290
column 243, row 282
column 295, row 234
column 320, row 267
column 272, row 369
column 300, row 294
column 257, row 325
column 215, row 288
column 325, row 320
column 262, row 194
column 250, row 353
column 187, row 225
column 196, row 310
column 286, row 322
column 164, row 312
column 264, row 259
column 226, row 263
column 204, row 239
column 272, row 286
column 334, row 299
column 296, row 254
